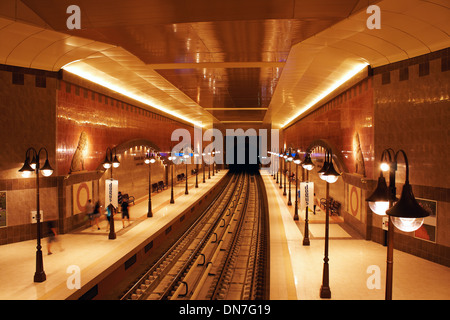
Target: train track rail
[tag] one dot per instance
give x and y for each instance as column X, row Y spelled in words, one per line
column 223, row 254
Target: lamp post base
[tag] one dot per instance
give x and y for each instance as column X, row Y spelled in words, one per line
column 39, row 275
column 112, row 233
column 325, row 292
column 306, row 233
column 149, row 211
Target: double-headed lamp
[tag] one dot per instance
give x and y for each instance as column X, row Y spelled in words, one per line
column 150, row 158
column 406, row 214
column 28, row 168
column 107, row 163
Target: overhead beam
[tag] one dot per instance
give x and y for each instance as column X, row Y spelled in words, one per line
column 235, row 109
column 213, row 65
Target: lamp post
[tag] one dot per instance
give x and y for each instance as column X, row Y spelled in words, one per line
column 289, row 159
column 185, row 157
column 172, row 163
column 280, row 157
column 217, row 167
column 277, row 159
column 284, row 171
column 308, row 166
column 149, row 159
column 272, row 166
column 203, row 166
column 32, row 163
column 274, row 162
column 109, row 162
column 407, row 215
column 196, row 168
column 331, row 176
column 297, row 161
column 214, row 164
column 209, row 165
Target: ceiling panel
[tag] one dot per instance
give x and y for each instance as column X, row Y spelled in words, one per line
column 208, row 61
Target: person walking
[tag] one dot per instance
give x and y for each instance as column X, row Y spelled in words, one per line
column 109, row 214
column 96, row 214
column 125, row 213
column 89, row 208
column 52, row 237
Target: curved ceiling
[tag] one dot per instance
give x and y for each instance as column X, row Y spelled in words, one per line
column 220, row 61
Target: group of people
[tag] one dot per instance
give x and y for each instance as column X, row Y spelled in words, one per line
column 93, row 212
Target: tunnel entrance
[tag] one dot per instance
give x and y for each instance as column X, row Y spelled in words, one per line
column 244, row 153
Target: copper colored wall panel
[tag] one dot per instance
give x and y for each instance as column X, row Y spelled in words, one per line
column 338, row 122
column 107, row 123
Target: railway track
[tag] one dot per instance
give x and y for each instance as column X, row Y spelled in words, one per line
column 223, row 254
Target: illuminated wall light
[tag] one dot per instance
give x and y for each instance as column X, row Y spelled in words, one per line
column 358, row 68
column 77, row 70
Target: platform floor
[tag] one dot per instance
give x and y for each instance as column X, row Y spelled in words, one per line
column 296, row 270
column 90, row 249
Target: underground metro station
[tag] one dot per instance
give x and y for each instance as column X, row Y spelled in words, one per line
column 269, row 150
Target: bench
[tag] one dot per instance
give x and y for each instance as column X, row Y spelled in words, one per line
column 180, row 177
column 161, row 185
column 334, row 206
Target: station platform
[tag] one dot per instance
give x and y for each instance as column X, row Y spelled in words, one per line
column 89, row 249
column 296, row 270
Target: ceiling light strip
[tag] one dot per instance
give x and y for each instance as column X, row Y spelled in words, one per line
column 350, row 74
column 100, row 81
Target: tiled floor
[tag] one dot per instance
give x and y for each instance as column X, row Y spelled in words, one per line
column 355, row 264
column 296, row 270
column 89, row 249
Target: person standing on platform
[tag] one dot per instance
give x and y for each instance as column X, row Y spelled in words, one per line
column 89, row 211
column 109, row 214
column 316, row 203
column 125, row 213
column 96, row 214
